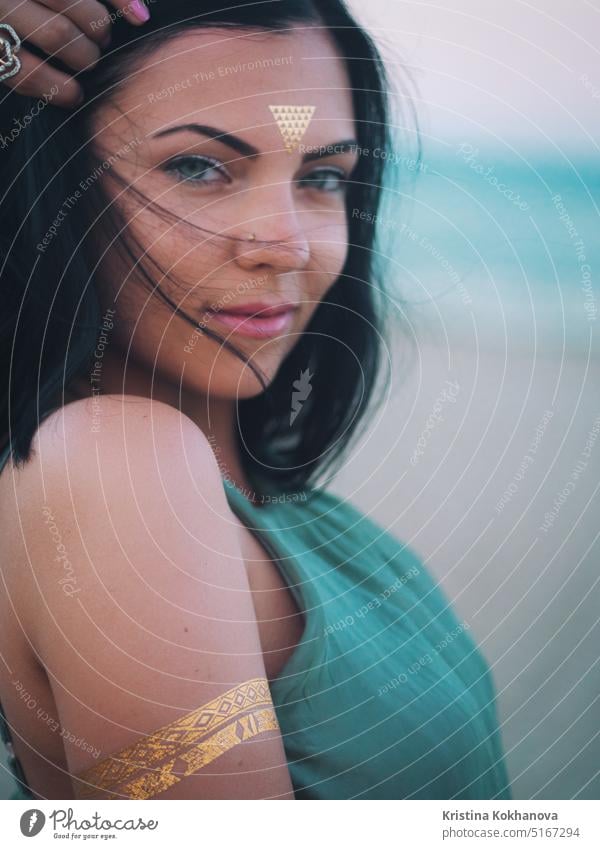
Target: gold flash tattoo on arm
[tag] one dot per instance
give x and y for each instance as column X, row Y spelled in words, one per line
column 177, row 750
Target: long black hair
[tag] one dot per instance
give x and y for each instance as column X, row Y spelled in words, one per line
column 50, row 316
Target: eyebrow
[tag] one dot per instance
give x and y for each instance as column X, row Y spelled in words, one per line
column 249, row 150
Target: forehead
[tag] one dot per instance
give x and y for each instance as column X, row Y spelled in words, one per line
column 233, row 76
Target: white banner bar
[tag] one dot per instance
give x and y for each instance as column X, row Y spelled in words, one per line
column 266, row 824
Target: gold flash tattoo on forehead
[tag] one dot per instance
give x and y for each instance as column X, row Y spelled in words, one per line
column 177, row 750
column 293, row 122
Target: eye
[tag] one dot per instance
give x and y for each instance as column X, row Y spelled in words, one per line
column 198, row 169
column 325, row 180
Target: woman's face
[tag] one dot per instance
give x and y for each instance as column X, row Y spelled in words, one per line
column 158, row 132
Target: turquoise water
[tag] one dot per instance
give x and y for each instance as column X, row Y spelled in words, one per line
column 500, row 242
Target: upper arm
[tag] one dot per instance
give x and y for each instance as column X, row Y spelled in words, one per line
column 139, row 604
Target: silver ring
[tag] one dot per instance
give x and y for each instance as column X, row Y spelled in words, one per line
column 10, row 64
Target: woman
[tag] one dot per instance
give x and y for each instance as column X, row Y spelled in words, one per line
column 191, row 335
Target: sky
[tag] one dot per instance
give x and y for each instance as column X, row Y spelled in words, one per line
column 519, row 73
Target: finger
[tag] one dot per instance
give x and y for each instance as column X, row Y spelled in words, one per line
column 55, row 34
column 135, row 11
column 38, row 78
column 91, row 17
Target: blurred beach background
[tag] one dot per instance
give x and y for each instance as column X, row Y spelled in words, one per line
column 485, row 454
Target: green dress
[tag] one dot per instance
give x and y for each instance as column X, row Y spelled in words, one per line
column 386, row 695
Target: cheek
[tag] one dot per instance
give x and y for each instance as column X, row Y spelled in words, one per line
column 181, row 256
column 169, row 236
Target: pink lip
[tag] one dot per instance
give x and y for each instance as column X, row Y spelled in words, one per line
column 271, row 321
column 262, row 307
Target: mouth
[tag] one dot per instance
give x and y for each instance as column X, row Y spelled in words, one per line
column 257, row 321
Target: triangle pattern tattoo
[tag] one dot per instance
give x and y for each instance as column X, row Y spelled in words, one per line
column 293, row 122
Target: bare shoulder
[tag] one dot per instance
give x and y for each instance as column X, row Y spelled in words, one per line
column 114, row 442
column 111, row 482
column 128, row 424
column 106, row 455
column 134, row 592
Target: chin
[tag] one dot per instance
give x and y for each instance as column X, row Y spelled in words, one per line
column 229, row 377
column 233, row 383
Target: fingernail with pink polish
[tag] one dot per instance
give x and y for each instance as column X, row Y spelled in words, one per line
column 139, row 10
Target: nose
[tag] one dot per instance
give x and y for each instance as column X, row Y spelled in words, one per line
column 280, row 243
